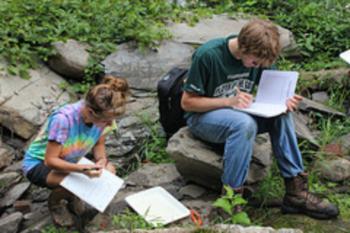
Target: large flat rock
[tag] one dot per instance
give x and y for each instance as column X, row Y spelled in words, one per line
column 25, row 104
column 143, row 69
column 221, row 26
column 202, row 163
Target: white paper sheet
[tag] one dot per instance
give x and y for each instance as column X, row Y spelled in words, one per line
column 97, row 191
column 346, row 56
column 274, row 89
column 157, row 206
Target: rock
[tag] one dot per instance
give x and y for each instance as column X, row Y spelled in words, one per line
column 118, row 204
column 310, row 105
column 150, row 175
column 38, row 227
column 143, row 69
column 204, row 208
column 221, row 26
column 38, row 194
column 15, row 167
column 332, row 149
column 345, row 143
column 39, row 212
column 193, row 191
column 320, row 97
column 7, row 180
column 198, row 162
column 70, row 60
column 7, row 155
column 314, row 79
column 23, row 109
column 335, row 170
column 10, row 224
column 23, row 206
column 302, row 130
column 220, row 228
column 101, row 223
column 13, row 194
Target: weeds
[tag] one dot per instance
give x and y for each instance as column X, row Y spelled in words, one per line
column 228, row 202
column 130, row 221
column 53, row 229
column 153, row 148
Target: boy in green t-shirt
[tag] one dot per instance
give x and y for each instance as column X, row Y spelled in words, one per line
column 221, row 78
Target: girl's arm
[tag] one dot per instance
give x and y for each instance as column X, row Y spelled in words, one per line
column 54, row 161
column 99, row 151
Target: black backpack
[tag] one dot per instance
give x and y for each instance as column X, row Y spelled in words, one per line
column 169, row 88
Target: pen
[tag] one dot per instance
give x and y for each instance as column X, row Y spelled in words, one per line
column 91, row 169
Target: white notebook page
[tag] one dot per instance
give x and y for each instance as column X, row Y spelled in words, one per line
column 97, row 191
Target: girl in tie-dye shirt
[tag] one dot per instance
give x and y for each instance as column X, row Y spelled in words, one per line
column 72, row 131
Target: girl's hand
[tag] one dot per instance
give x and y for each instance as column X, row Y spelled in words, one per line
column 91, row 170
column 107, row 165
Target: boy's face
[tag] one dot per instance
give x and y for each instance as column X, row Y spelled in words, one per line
column 251, row 61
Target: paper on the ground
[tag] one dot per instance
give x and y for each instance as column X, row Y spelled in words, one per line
column 157, row 206
column 274, row 89
column 97, row 191
column 346, row 56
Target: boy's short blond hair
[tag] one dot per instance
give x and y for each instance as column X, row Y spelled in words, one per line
column 260, row 38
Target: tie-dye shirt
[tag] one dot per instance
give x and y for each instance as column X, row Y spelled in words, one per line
column 65, row 126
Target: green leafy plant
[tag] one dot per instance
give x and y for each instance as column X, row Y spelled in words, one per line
column 28, row 28
column 271, row 187
column 228, row 202
column 53, row 229
column 131, row 221
column 153, row 148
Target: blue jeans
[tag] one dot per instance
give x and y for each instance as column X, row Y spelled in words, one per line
column 237, row 130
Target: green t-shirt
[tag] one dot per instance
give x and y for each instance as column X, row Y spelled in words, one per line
column 215, row 72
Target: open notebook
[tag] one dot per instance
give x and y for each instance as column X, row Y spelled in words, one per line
column 157, row 206
column 97, row 191
column 274, row 89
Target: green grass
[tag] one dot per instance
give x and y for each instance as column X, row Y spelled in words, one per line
column 153, row 148
column 53, row 229
column 130, row 220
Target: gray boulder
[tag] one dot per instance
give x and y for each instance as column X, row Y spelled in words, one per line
column 334, row 170
column 25, row 104
column 220, row 228
column 220, row 26
column 144, row 68
column 201, row 163
column 7, row 155
column 308, row 105
column 10, row 223
column 70, row 60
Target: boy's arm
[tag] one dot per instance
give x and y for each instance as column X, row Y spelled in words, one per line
column 192, row 102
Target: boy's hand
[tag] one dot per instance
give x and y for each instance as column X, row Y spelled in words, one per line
column 293, row 102
column 241, row 100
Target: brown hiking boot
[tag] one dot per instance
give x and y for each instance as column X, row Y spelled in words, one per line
column 298, row 199
column 58, row 207
column 65, row 208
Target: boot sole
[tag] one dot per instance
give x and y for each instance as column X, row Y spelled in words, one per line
column 292, row 210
